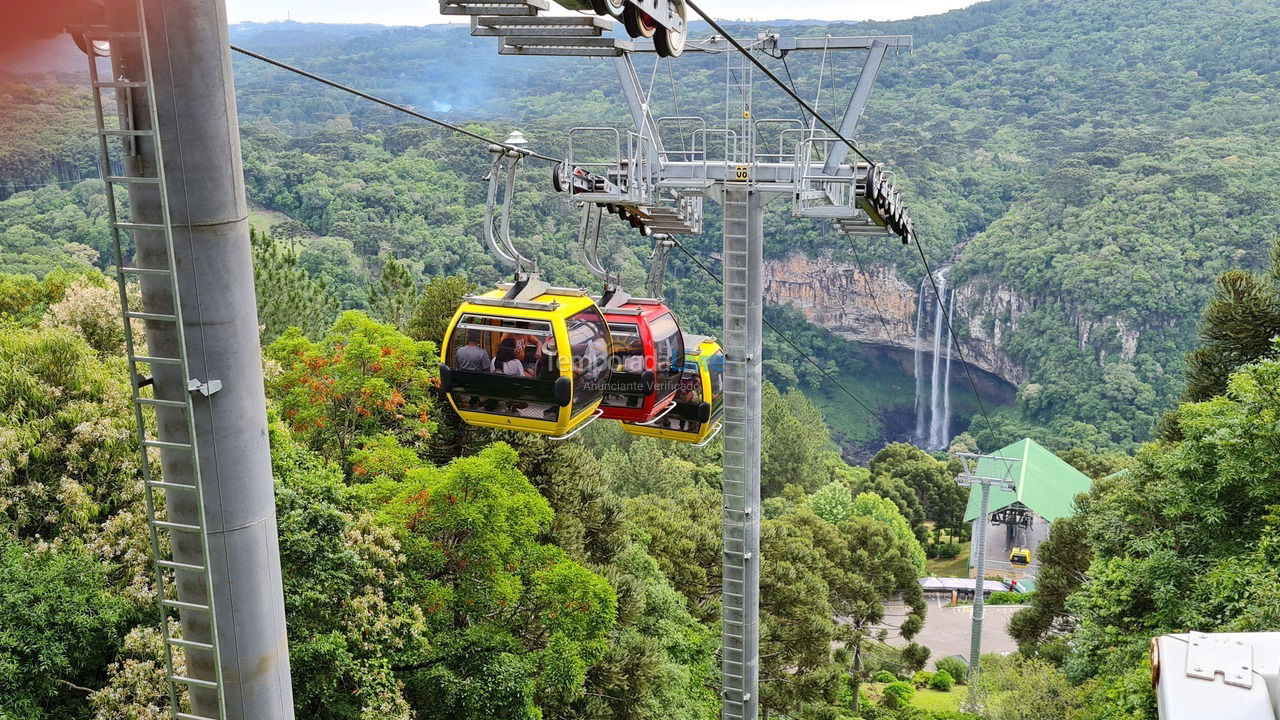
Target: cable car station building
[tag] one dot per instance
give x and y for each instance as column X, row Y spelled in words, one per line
column 1045, row 487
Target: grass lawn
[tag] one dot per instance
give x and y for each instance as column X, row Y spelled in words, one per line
column 956, row 567
column 925, row 699
column 263, row 219
column 929, row 699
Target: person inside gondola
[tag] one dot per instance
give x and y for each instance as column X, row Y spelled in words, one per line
column 633, row 358
column 508, row 360
column 547, row 367
column 689, row 393
column 471, row 356
column 529, row 344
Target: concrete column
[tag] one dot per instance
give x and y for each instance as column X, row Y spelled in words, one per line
column 200, row 149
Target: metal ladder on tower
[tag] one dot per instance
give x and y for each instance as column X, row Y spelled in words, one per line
column 130, row 92
column 739, row 653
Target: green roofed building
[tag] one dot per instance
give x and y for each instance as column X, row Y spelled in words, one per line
column 1045, row 487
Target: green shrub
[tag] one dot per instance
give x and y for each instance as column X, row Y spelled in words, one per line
column 944, row 551
column 898, row 695
column 914, row 656
column 942, row 680
column 60, row 623
column 921, row 678
column 955, row 667
column 884, row 676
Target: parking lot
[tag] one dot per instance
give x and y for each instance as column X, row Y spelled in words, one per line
column 947, row 629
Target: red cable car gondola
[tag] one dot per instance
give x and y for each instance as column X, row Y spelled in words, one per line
column 647, row 358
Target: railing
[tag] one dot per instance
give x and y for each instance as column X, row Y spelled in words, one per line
column 783, row 155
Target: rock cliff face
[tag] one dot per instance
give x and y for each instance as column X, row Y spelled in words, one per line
column 835, row 294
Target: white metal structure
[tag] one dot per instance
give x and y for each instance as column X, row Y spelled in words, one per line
column 734, row 166
column 526, row 31
column 1225, row 676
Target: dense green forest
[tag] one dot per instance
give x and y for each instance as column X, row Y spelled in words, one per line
column 1104, row 160
column 431, row 569
column 588, row 588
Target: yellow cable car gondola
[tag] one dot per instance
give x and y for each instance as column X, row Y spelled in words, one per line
column 699, row 407
column 1020, row 557
column 527, row 357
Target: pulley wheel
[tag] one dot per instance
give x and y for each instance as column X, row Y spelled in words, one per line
column 668, row 42
column 557, row 179
column 638, row 22
column 609, row 8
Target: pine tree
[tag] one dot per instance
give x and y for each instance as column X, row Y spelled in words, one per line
column 440, row 298
column 393, row 298
column 287, row 294
column 1239, row 326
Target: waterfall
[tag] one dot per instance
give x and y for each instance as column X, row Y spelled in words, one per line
column 939, row 333
column 933, row 404
column 920, row 396
column 946, row 383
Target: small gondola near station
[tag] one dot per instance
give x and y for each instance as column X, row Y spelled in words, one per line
column 1044, row 489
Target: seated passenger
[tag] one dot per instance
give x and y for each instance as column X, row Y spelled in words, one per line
column 547, row 366
column 508, row 360
column 529, row 357
column 471, row 356
column 689, row 391
column 633, row 361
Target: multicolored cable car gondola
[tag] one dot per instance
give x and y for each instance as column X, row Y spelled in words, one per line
column 699, row 403
column 532, row 358
column 647, row 358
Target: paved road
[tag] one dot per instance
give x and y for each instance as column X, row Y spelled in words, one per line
column 947, row 630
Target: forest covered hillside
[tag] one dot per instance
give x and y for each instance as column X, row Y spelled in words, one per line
column 1098, row 180
column 1100, row 163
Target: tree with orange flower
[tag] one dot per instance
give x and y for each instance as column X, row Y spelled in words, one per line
column 362, row 382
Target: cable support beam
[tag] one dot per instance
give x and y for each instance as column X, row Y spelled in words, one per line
column 525, row 152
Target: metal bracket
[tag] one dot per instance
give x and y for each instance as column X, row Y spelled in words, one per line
column 506, row 163
column 589, row 241
column 526, row 288
column 1208, row 655
column 205, row 389
column 638, row 103
column 662, row 245
column 594, row 417
column 613, row 297
column 857, row 104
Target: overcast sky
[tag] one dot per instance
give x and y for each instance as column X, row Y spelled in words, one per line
column 421, row 12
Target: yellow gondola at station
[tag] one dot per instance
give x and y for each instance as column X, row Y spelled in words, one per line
column 527, row 357
column 699, row 407
column 1020, row 557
